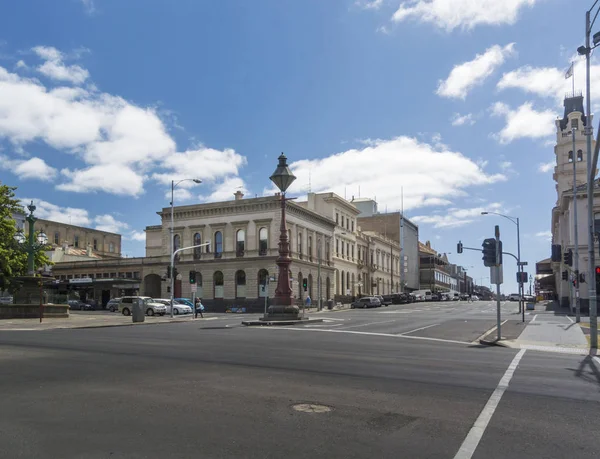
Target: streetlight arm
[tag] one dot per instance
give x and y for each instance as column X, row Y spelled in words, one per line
column 512, row 219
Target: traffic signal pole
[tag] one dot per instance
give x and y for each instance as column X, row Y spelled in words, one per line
column 498, row 260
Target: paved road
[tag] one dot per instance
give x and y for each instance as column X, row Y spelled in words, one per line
column 217, row 389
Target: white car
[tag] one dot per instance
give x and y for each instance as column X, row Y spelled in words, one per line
column 177, row 307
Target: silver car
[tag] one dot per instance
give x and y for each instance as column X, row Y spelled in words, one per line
column 151, row 308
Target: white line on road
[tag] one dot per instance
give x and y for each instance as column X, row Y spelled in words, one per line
column 597, row 359
column 352, row 332
column 370, row 323
column 567, row 318
column 326, row 319
column 417, row 329
column 533, row 320
column 474, row 436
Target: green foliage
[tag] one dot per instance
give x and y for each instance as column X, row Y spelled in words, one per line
column 13, row 261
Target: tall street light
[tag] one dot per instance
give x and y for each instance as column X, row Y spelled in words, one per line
column 173, row 185
column 591, row 172
column 515, row 220
column 283, row 178
column 31, row 246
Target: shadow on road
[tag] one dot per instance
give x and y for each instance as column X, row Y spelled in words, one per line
column 592, row 374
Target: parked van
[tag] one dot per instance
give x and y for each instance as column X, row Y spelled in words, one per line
column 150, row 307
column 424, row 294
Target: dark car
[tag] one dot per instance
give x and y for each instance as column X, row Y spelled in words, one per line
column 80, row 305
column 386, row 300
column 435, row 297
column 366, row 302
column 400, row 298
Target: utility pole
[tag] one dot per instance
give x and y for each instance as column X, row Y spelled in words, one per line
column 576, row 238
column 498, row 281
column 402, row 278
column 320, row 306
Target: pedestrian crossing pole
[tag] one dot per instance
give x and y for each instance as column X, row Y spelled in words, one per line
column 497, row 276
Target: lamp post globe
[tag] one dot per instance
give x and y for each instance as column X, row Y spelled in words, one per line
column 282, row 177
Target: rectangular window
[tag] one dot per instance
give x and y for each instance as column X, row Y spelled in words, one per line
column 353, row 252
column 310, row 248
column 76, row 276
column 342, row 249
column 56, row 238
column 111, row 247
column 342, row 221
column 128, row 275
column 91, row 276
column 337, row 247
column 113, row 275
column 348, row 249
column 353, row 226
column 69, row 276
column 76, row 242
column 337, row 218
column 136, row 274
column 105, row 275
column 95, row 244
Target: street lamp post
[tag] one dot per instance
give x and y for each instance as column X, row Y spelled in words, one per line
column 283, row 307
column 530, row 279
column 31, row 246
column 591, row 172
column 173, row 185
column 515, row 220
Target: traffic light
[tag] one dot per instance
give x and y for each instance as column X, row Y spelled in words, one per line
column 489, row 252
column 565, row 275
column 582, row 278
column 459, row 247
column 192, row 277
column 305, row 284
column 175, row 272
column 168, row 272
column 568, row 257
column 556, row 251
column 597, row 276
column 522, row 278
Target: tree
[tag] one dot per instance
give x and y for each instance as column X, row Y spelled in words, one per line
column 13, row 261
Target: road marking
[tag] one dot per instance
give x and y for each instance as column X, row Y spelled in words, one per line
column 328, row 319
column 566, row 317
column 371, row 323
column 352, row 332
column 417, row 329
column 474, row 436
column 533, row 320
column 597, row 359
column 396, row 312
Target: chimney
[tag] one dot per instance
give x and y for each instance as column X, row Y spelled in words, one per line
column 89, row 250
column 65, row 246
column 238, row 195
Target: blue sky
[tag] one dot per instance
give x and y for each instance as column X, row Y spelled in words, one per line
column 103, row 102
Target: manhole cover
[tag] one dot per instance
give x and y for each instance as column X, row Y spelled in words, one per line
column 311, row 408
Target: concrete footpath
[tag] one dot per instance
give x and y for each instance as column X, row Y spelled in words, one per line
column 90, row 320
column 550, row 329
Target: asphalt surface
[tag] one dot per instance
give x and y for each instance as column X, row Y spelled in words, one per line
column 216, row 389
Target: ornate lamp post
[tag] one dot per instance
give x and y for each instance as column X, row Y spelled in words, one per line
column 283, row 303
column 30, row 245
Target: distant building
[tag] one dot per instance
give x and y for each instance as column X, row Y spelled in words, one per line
column 401, row 230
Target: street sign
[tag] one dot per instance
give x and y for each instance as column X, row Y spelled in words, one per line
column 523, row 263
column 83, row 280
column 496, row 275
column 194, row 288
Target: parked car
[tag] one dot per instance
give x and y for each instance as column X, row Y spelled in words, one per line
column 366, row 302
column 529, row 298
column 113, row 305
column 178, row 308
column 6, row 300
column 435, row 297
column 400, row 298
column 185, row 301
column 386, row 300
column 78, row 305
column 464, row 296
column 513, row 297
column 151, row 308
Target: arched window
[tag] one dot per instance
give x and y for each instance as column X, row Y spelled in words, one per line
column 570, row 156
column 197, row 250
column 352, row 285
column 240, row 284
column 299, row 245
column 240, row 242
column 348, row 286
column 310, row 254
column 310, row 286
column 176, row 244
column 218, row 284
column 263, row 242
column 263, row 276
column 218, row 244
column 57, row 239
column 579, row 155
column 343, row 292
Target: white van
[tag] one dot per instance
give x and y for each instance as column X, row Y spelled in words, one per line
column 424, row 294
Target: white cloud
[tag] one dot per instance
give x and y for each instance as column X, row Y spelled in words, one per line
column 369, row 4
column 524, row 122
column 224, row 190
column 138, row 236
column 120, row 180
column 120, row 144
column 33, row 168
column 550, row 82
column 467, row 75
column 89, row 6
column 49, row 211
column 428, row 174
column 54, row 67
column 460, row 120
column 544, row 234
column 21, row 64
column 505, row 165
column 464, row 14
column 108, row 223
column 454, row 217
column 546, row 167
